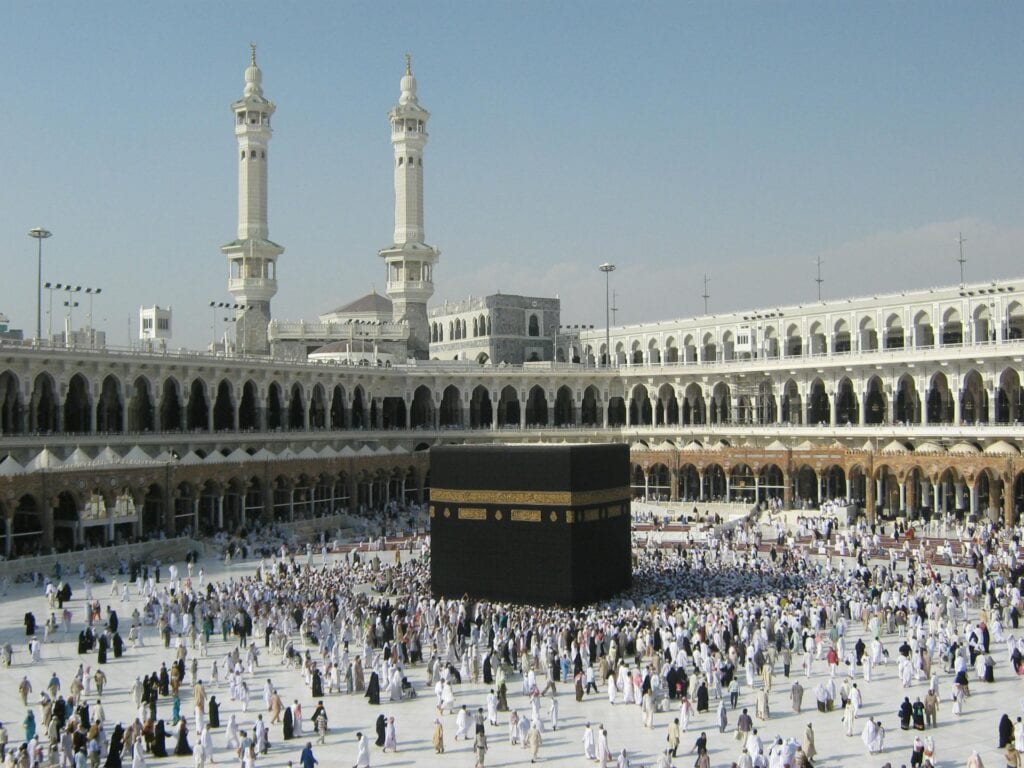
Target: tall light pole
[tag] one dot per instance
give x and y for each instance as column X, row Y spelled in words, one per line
column 607, row 269
column 40, row 234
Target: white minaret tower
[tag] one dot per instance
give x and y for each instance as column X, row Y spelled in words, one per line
column 410, row 261
column 252, row 258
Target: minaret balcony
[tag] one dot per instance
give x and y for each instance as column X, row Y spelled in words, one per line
column 410, row 287
column 253, row 288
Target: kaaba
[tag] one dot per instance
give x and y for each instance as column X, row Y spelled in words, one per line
column 538, row 524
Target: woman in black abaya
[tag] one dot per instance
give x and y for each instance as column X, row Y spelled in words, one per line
column 159, row 740
column 183, row 747
column 116, row 745
column 373, row 689
column 288, row 724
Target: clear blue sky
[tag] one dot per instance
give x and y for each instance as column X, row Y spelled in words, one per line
column 739, row 139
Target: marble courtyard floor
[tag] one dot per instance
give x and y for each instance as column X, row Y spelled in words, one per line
column 954, row 737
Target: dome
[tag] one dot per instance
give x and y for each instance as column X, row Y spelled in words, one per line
column 964, row 449
column 1002, row 448
column 408, row 84
column 895, row 447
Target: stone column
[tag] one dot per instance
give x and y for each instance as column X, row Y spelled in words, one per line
column 869, row 500
column 195, row 516
column 787, row 491
column 974, row 499
column 956, row 407
column 220, row 511
column 673, row 485
column 1008, row 510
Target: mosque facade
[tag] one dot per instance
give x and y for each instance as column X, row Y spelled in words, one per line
column 900, row 402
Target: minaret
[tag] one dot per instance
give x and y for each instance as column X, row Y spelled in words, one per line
column 410, row 261
column 252, row 258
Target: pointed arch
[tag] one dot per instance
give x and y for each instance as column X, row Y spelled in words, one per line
column 590, row 409
column 421, row 412
column 248, row 408
column 141, row 410
column 875, row 404
column 318, row 408
column 973, row 399
column 847, row 405
column 640, row 411
column 170, row 406
column 536, row 407
column 939, row 400
column 565, row 407
column 275, row 409
column 338, row 408
column 908, row 402
column 792, row 403
column 77, row 406
column 224, row 407
column 667, row 410
column 694, row 407
column 481, row 412
column 450, row 412
column 508, row 407
column 818, row 406
column 297, row 407
column 11, row 409
column 868, row 334
column 198, row 411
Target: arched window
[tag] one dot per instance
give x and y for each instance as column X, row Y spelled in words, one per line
column 534, row 327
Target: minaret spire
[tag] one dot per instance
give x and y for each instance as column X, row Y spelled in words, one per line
column 409, row 260
column 252, row 257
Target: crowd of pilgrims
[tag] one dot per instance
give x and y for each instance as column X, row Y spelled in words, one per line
column 697, row 625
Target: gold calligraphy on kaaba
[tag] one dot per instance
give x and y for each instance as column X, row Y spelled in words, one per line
column 526, row 515
column 472, row 513
column 548, row 498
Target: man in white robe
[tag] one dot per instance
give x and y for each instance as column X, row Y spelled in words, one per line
column 362, row 752
column 589, row 747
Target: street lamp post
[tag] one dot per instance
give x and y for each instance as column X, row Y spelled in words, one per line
column 40, row 234
column 51, row 287
column 214, row 306
column 69, row 305
column 92, row 293
column 607, row 269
